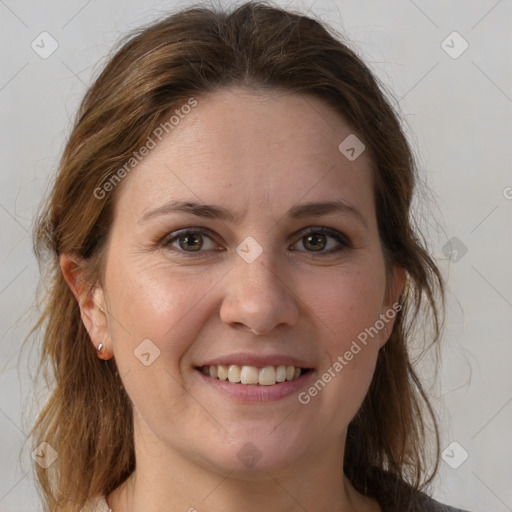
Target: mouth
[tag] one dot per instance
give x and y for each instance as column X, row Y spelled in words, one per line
column 252, row 375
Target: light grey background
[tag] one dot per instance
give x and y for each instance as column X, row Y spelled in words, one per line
column 459, row 111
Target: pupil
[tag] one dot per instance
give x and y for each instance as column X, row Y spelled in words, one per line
column 317, row 237
column 187, row 239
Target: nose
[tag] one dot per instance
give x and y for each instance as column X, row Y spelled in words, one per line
column 259, row 298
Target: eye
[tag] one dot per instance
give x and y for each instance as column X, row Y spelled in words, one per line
column 191, row 241
column 316, row 240
column 188, row 241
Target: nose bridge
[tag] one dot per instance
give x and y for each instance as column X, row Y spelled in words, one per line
column 262, row 271
column 259, row 279
column 258, row 297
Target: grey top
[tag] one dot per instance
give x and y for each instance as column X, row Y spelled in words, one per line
column 428, row 504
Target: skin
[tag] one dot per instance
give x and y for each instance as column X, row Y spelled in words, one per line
column 256, row 154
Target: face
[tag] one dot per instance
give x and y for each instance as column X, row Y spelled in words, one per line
column 269, row 283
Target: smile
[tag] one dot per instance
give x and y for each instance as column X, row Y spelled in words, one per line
column 251, row 375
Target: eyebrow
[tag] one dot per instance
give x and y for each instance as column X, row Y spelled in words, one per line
column 300, row 211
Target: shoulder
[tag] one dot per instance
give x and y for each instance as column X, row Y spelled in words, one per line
column 392, row 493
column 98, row 504
column 425, row 504
column 428, row 504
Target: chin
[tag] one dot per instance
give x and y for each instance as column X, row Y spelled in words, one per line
column 252, row 456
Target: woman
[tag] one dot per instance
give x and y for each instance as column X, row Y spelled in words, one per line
column 235, row 280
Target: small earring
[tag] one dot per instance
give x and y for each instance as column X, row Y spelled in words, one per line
column 100, row 348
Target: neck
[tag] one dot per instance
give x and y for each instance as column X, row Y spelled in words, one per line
column 165, row 480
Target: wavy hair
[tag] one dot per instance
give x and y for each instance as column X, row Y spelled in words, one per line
column 87, row 418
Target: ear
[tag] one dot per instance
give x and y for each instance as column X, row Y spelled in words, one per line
column 391, row 306
column 91, row 303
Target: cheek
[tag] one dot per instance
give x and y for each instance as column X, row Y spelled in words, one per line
column 338, row 392
column 348, row 306
column 166, row 305
column 154, row 319
column 349, row 352
column 345, row 302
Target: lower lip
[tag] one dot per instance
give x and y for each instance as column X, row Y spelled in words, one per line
column 246, row 393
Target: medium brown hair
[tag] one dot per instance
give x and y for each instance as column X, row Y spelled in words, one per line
column 151, row 72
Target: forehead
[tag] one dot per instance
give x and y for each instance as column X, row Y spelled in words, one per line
column 253, row 150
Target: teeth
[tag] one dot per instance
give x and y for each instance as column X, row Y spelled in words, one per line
column 281, row 373
column 249, row 375
column 234, row 373
column 267, row 376
column 222, row 372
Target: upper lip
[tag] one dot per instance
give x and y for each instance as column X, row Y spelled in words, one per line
column 258, row 360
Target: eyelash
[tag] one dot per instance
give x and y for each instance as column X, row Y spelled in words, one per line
column 339, row 237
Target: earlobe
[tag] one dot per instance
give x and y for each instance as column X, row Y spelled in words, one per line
column 91, row 303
